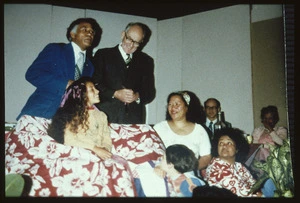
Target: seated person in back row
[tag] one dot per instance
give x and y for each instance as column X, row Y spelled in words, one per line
column 267, row 134
column 212, row 107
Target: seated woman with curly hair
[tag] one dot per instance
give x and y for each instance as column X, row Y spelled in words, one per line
column 229, row 150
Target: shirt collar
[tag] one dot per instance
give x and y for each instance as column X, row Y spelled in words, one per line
column 123, row 53
column 77, row 49
column 208, row 121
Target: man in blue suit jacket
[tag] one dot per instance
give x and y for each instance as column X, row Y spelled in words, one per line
column 54, row 68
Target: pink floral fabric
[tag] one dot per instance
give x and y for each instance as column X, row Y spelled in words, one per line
column 135, row 142
column 59, row 170
column 235, row 178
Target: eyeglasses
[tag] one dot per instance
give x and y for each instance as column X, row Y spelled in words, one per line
column 211, row 107
column 87, row 30
column 129, row 40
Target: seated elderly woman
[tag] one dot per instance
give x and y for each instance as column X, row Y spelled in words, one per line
column 229, row 150
column 268, row 134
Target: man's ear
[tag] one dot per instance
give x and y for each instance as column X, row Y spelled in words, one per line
column 72, row 35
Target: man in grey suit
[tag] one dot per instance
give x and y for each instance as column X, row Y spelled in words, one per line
column 125, row 77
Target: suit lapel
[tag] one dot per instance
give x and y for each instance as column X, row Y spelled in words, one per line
column 70, row 60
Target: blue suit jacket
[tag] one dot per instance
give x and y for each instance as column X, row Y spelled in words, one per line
column 49, row 73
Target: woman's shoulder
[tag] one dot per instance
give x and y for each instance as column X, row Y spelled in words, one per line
column 98, row 113
column 200, row 130
column 281, row 128
column 219, row 161
column 258, row 129
column 199, row 126
column 160, row 124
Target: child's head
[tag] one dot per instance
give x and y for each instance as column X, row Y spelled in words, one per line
column 180, row 157
column 81, row 92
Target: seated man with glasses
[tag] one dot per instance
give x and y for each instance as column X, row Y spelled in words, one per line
column 212, row 107
column 125, row 77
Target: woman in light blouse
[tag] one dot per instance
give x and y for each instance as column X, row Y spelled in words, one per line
column 268, row 134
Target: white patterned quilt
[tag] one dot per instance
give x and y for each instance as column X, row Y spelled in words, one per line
column 59, row 170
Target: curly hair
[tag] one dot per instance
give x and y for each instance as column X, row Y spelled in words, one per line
column 195, row 112
column 237, row 136
column 270, row 109
column 73, row 111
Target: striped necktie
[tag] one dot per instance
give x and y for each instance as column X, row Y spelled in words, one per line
column 210, row 126
column 79, row 66
column 128, row 59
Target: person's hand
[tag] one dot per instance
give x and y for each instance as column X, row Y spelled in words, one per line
column 126, row 95
column 102, row 153
column 267, row 125
column 158, row 171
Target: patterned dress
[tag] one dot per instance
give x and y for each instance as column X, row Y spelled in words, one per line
column 236, row 178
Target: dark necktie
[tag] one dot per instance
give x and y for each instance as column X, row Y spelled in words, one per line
column 210, row 126
column 79, row 66
column 128, row 59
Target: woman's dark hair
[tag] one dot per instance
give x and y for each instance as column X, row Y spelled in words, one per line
column 195, row 112
column 72, row 111
column 181, row 157
column 237, row 136
column 270, row 109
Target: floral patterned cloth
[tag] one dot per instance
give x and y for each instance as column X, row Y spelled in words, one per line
column 60, row 170
column 235, row 178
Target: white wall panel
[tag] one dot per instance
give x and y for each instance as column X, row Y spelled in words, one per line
column 169, row 63
column 27, row 30
column 61, row 18
column 217, row 61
